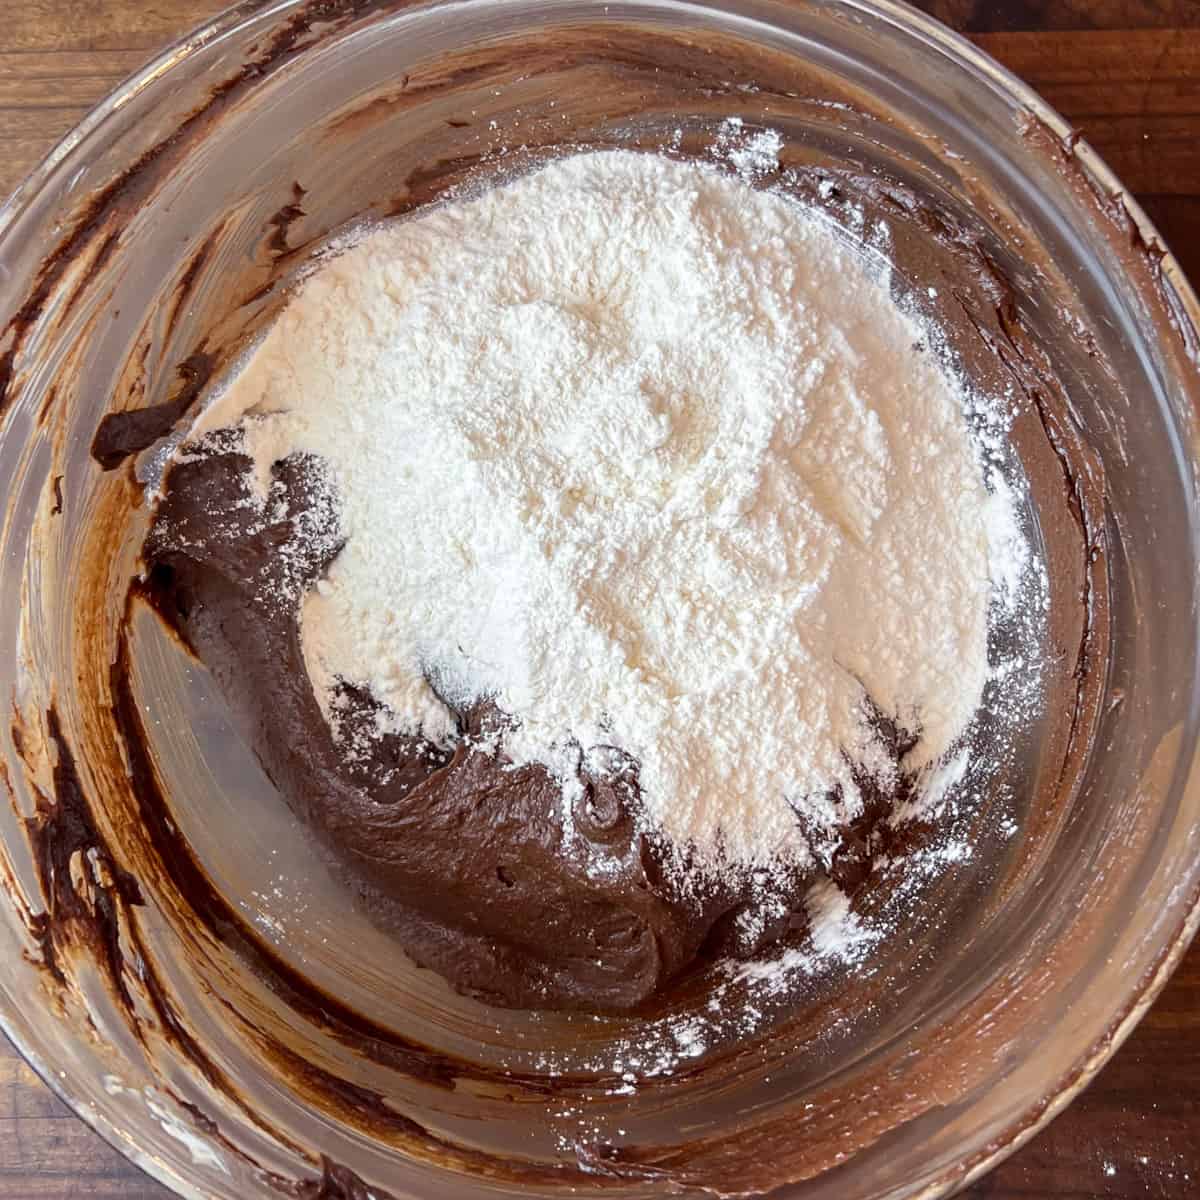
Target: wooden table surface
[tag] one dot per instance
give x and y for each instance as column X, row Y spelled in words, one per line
column 1127, row 72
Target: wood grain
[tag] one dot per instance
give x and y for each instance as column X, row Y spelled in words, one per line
column 1126, row 72
column 989, row 16
column 1135, row 94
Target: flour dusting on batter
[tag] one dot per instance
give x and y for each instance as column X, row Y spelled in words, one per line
column 655, row 461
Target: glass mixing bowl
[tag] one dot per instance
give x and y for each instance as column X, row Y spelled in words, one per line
column 272, row 1047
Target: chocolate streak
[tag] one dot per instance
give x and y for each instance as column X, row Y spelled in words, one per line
column 85, row 887
column 124, row 434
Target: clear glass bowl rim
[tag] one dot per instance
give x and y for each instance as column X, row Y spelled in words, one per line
column 977, row 1160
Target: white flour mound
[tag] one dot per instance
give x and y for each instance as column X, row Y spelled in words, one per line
column 653, row 459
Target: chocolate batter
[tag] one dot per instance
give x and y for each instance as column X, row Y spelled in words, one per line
column 459, row 854
column 463, row 859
